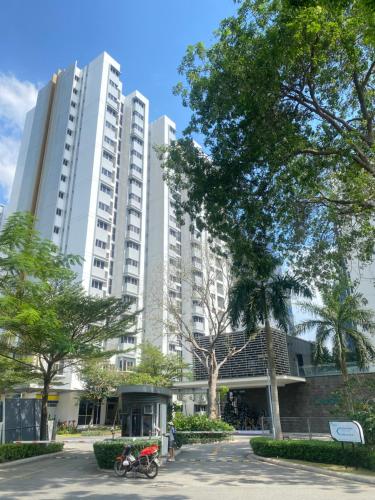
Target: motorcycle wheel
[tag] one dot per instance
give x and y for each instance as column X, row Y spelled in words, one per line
column 120, row 469
column 152, row 470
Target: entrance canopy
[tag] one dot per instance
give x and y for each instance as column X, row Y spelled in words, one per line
column 236, row 383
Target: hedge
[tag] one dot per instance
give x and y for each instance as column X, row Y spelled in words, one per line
column 200, row 437
column 327, row 452
column 200, row 423
column 14, row 451
column 107, row 451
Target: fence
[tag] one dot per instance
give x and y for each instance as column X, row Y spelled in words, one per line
column 302, row 426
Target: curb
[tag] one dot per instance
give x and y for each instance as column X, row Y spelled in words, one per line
column 5, row 465
column 317, row 470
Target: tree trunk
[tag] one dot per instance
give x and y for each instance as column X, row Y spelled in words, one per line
column 273, row 381
column 44, row 414
column 345, row 376
column 212, row 387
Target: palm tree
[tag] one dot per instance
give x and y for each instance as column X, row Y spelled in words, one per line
column 257, row 297
column 342, row 321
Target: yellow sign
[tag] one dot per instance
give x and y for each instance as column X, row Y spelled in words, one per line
column 51, row 397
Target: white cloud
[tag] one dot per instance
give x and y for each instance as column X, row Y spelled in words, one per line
column 16, row 98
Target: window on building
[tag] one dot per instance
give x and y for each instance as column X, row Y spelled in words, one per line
column 107, row 173
column 127, row 339
column 135, row 182
column 103, row 225
column 76, row 78
column 104, row 206
column 220, row 302
column 134, row 229
column 136, row 154
column 132, row 244
column 131, row 262
column 136, row 168
column 63, row 178
column 109, row 141
column 58, row 211
column 75, row 91
column 73, row 104
column 137, row 140
column 113, row 84
column 113, row 98
column 131, row 211
column 97, row 284
column 134, row 197
column 115, row 71
column 125, row 364
column 61, row 194
column 110, row 126
column 131, row 280
column 198, row 319
column 67, row 147
column 138, row 115
column 112, row 111
column 99, row 263
column 107, row 155
column 56, row 230
column 101, row 244
column 71, row 118
column 65, row 162
column 138, row 128
column 69, row 132
column 130, row 299
column 105, row 189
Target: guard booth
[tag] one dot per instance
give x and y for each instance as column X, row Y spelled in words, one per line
column 144, row 411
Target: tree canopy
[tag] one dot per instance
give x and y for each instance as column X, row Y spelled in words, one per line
column 284, row 100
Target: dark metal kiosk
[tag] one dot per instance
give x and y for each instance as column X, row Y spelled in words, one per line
column 144, row 410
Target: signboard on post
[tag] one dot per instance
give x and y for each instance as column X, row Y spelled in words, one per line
column 347, row 432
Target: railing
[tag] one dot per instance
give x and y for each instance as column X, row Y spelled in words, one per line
column 331, row 369
column 303, row 427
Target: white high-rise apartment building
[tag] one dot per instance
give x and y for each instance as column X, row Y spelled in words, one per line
column 179, row 260
column 82, row 170
column 88, row 170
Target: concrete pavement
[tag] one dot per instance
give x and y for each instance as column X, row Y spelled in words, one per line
column 200, row 472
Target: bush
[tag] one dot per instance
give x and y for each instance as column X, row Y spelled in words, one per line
column 14, row 451
column 365, row 415
column 107, row 451
column 328, row 452
column 199, row 423
column 201, row 437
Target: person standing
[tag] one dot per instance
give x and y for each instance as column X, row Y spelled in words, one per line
column 171, row 442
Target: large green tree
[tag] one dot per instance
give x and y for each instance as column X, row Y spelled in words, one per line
column 169, row 367
column 260, row 295
column 284, row 100
column 46, row 318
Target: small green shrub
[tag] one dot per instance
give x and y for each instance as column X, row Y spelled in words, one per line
column 67, row 429
column 365, row 415
column 202, row 424
column 328, row 452
column 201, row 437
column 107, row 451
column 14, row 451
column 199, row 423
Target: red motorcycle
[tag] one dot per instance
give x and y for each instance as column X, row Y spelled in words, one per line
column 146, row 463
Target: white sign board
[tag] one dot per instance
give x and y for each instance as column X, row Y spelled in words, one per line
column 347, row 432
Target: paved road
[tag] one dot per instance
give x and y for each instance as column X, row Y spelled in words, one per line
column 205, row 472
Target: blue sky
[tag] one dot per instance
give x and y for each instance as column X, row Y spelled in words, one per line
column 147, row 37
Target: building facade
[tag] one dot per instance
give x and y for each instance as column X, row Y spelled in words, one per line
column 89, row 172
column 82, row 170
